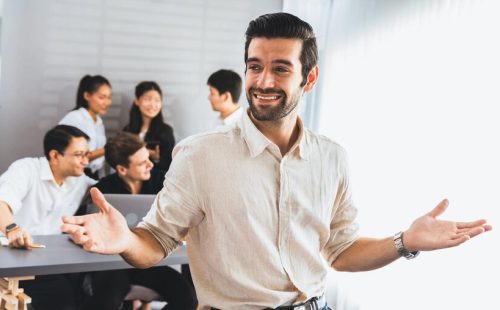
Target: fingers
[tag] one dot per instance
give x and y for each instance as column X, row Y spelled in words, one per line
column 472, row 232
column 79, row 237
column 28, row 241
column 462, row 225
column 457, row 241
column 20, row 239
column 72, row 229
column 89, row 246
column 99, row 200
column 473, row 228
column 75, row 220
column 439, row 209
column 487, row 227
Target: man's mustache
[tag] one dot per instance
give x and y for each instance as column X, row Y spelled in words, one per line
column 253, row 90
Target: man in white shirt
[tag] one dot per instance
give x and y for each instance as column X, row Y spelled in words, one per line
column 224, row 92
column 35, row 193
column 266, row 204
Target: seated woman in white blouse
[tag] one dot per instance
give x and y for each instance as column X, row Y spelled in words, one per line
column 93, row 98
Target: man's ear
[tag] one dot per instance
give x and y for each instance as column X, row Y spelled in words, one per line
column 312, row 78
column 226, row 97
column 122, row 170
column 53, row 155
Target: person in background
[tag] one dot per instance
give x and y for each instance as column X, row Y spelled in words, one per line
column 266, row 204
column 34, row 194
column 93, row 99
column 135, row 174
column 146, row 120
column 224, row 92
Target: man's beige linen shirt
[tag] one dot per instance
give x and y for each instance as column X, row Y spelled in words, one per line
column 263, row 228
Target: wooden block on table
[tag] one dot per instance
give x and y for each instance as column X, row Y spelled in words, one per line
column 5, row 283
column 20, row 278
column 10, row 301
column 24, row 300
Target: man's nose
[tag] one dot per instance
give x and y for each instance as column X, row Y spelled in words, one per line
column 266, row 79
column 85, row 159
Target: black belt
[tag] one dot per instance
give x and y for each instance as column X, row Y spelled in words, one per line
column 315, row 303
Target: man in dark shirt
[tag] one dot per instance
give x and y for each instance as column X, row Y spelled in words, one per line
column 135, row 174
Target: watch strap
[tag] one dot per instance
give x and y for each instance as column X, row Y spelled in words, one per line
column 11, row 227
column 400, row 247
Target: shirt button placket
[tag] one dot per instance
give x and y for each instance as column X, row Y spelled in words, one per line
column 284, row 217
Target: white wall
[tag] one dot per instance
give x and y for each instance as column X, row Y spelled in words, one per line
column 47, row 46
column 413, row 95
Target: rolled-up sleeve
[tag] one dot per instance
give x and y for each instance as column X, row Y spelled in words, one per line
column 344, row 229
column 177, row 206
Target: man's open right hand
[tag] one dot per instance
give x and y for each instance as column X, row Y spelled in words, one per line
column 105, row 232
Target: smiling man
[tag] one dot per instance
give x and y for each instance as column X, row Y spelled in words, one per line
column 267, row 202
column 135, row 174
column 35, row 193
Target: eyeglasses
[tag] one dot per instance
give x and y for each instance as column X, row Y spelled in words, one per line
column 79, row 155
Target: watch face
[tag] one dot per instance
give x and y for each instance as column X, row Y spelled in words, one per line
column 10, row 226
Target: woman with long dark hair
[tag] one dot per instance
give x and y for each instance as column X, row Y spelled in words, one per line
column 93, row 99
column 146, row 120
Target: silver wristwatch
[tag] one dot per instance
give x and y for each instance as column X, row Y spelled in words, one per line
column 400, row 247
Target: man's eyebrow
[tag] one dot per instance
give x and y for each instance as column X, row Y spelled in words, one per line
column 276, row 61
column 252, row 59
column 283, row 62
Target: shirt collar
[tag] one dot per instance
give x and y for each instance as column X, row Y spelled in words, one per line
column 47, row 175
column 45, row 171
column 85, row 112
column 301, row 146
column 231, row 118
column 257, row 142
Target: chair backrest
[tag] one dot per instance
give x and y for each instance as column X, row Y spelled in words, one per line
column 133, row 207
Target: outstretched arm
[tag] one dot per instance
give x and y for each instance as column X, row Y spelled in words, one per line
column 426, row 233
column 107, row 232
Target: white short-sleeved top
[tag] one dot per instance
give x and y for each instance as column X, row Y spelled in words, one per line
column 82, row 120
column 37, row 202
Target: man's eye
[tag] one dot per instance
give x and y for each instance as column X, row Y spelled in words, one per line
column 253, row 67
column 281, row 69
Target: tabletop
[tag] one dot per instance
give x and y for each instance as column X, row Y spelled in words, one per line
column 61, row 255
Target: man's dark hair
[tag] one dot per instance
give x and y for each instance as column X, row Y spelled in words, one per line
column 287, row 26
column 59, row 137
column 119, row 148
column 226, row 80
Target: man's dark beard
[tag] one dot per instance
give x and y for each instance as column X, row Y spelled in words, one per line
column 271, row 113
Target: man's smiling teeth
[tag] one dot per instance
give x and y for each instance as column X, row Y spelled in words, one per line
column 266, row 97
